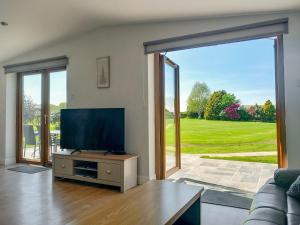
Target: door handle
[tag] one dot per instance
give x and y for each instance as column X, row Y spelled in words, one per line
column 45, row 119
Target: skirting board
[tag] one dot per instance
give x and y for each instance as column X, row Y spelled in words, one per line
column 8, row 161
column 144, row 179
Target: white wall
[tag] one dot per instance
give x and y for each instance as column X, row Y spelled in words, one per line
column 129, row 81
column 10, row 121
column 2, row 116
column 151, row 115
column 7, row 118
column 292, row 90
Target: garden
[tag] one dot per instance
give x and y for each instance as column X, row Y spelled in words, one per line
column 32, row 114
column 217, row 123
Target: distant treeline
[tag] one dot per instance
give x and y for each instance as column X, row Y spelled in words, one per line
column 221, row 105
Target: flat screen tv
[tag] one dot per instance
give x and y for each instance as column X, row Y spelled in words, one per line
column 93, row 129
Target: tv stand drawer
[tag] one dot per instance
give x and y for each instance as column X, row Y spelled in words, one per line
column 63, row 166
column 109, row 172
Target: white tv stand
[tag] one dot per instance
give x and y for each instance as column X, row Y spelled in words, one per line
column 96, row 167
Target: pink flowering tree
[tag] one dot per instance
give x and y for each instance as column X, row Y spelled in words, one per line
column 231, row 112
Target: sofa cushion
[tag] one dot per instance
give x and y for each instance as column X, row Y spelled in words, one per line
column 285, row 177
column 271, row 181
column 293, row 206
column 272, row 189
column 272, row 201
column 267, row 215
column 294, row 190
column 259, row 222
column 293, row 219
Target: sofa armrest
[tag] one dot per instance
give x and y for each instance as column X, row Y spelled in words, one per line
column 285, row 177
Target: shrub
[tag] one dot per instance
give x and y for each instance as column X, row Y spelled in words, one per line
column 251, row 112
column 183, row 115
column 223, row 116
column 231, row 112
column 168, row 114
column 243, row 112
column 258, row 112
column 192, row 115
column 268, row 112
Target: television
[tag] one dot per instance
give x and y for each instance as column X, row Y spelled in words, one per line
column 93, row 129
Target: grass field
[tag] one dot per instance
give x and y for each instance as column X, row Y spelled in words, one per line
column 207, row 136
column 261, row 159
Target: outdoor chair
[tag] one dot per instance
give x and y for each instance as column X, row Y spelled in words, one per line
column 30, row 139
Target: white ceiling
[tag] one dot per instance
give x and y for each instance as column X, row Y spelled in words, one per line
column 34, row 23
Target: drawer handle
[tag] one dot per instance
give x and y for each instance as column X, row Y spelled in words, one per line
column 63, row 166
column 108, row 171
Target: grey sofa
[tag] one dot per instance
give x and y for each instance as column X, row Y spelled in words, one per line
column 272, row 206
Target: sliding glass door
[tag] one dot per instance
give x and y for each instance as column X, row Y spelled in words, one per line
column 41, row 96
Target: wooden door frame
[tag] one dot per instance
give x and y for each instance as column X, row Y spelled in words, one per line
column 19, row 118
column 159, row 135
column 280, row 110
column 280, row 103
column 45, row 115
column 160, row 156
column 177, row 117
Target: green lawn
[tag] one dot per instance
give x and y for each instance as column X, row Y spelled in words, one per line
column 207, row 136
column 261, row 159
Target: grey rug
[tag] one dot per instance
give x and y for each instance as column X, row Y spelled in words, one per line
column 226, row 199
column 29, row 169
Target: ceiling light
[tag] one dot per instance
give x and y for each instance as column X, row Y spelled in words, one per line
column 3, row 23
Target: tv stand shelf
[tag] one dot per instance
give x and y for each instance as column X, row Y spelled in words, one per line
column 96, row 167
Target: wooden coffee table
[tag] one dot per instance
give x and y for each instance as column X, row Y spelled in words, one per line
column 153, row 203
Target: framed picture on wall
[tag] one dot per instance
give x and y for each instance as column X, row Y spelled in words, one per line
column 103, row 72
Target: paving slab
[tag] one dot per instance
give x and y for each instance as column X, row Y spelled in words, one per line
column 245, row 176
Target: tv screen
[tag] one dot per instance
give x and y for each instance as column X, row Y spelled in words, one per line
column 93, row 129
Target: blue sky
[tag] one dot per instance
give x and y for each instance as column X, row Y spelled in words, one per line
column 32, row 87
column 245, row 68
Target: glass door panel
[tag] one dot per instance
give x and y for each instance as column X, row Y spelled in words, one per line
column 31, row 117
column 170, row 132
column 57, row 101
column 171, row 116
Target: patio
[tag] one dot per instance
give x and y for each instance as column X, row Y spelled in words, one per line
column 35, row 155
column 223, row 174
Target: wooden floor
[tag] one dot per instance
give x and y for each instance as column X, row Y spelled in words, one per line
column 32, row 199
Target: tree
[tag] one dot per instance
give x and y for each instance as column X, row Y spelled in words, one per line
column 268, row 111
column 211, row 112
column 197, row 100
column 231, row 112
column 258, row 112
column 216, row 103
column 251, row 112
column 227, row 100
column 244, row 113
column 55, row 115
column 31, row 111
